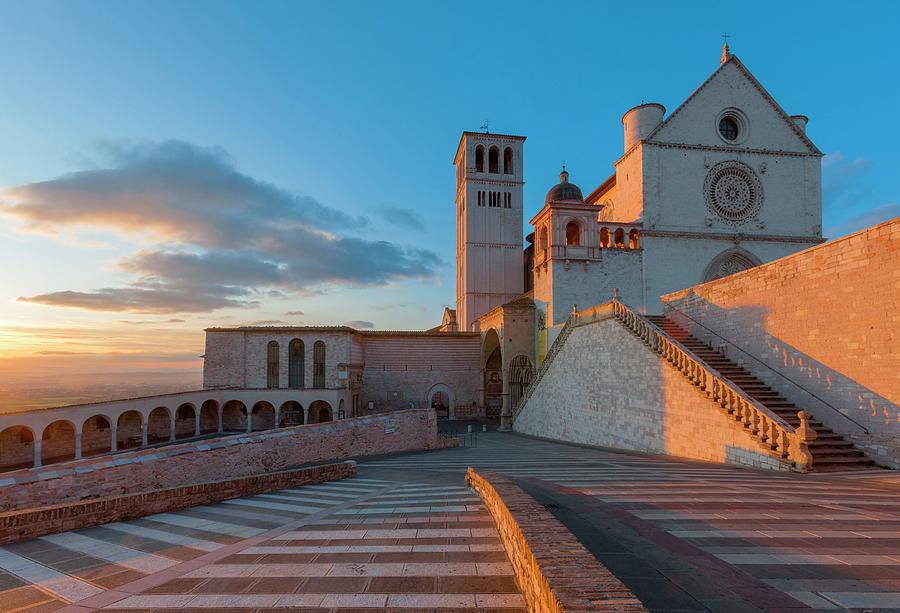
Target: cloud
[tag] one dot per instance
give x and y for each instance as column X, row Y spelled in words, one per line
column 843, row 180
column 294, row 313
column 360, row 324
column 219, row 238
column 401, row 217
column 864, row 220
column 144, row 322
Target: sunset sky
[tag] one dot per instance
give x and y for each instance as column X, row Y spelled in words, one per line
column 168, row 166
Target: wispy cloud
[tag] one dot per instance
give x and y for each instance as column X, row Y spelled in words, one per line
column 400, row 216
column 147, row 322
column 846, row 196
column 864, row 220
column 294, row 313
column 221, row 238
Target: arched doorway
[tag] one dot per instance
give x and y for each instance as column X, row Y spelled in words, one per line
column 263, row 416
column 234, row 416
column 319, row 412
column 16, row 448
column 58, row 442
column 96, row 436
column 492, row 363
column 729, row 262
column 185, row 421
column 291, row 414
column 521, row 372
column 441, row 399
column 159, row 425
column 129, row 430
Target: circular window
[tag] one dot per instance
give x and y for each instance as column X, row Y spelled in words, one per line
column 728, row 128
column 732, row 126
column 733, row 192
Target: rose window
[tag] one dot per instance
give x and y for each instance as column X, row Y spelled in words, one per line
column 733, row 192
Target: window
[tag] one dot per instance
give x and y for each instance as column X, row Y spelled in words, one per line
column 634, row 240
column 507, row 200
column 494, row 160
column 296, row 361
column 479, row 159
column 728, row 128
column 620, row 238
column 272, row 365
column 573, row 234
column 508, row 161
column 604, row 238
column 319, row 365
column 542, row 239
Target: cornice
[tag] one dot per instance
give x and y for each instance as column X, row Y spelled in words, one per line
column 735, row 236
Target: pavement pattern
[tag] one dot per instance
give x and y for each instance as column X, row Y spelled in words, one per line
column 406, row 534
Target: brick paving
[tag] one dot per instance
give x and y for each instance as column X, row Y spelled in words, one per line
column 379, row 544
column 406, row 534
column 692, row 536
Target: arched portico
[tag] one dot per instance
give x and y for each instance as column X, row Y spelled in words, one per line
column 160, row 427
column 234, row 416
column 210, row 417
column 441, row 398
column 58, row 442
column 186, row 423
column 17, row 448
column 319, row 412
column 130, row 432
column 494, row 375
column 96, row 436
column 290, row 414
column 263, row 416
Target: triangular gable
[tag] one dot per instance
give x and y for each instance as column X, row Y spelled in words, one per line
column 667, row 127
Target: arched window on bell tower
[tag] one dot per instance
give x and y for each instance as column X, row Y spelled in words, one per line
column 508, row 161
column 494, row 160
column 479, row 159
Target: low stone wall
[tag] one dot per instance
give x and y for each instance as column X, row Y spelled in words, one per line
column 31, row 523
column 554, row 571
column 224, row 458
column 605, row 387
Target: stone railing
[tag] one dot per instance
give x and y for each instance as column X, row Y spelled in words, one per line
column 775, row 436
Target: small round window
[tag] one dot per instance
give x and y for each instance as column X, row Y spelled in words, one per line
column 728, row 128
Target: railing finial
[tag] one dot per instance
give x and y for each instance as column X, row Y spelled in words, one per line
column 616, row 294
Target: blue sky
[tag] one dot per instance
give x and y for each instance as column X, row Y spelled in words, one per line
column 350, row 112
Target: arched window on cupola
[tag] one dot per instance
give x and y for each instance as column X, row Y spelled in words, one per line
column 272, row 364
column 620, row 238
column 479, row 159
column 494, row 160
column 508, row 161
column 573, row 234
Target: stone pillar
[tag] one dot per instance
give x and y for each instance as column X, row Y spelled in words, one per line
column 113, row 443
column 277, row 417
column 505, row 411
column 172, row 427
column 143, row 433
column 220, row 420
column 197, row 423
column 305, row 415
column 78, row 445
column 249, row 420
column 37, row 452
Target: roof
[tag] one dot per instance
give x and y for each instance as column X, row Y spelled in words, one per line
column 348, row 329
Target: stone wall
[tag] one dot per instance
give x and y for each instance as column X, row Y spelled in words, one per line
column 33, row 522
column 554, row 571
column 606, row 388
column 225, row 457
column 819, row 326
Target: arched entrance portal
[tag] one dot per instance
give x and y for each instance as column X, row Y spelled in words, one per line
column 521, row 372
column 492, row 361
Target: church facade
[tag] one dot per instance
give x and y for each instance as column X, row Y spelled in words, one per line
column 725, row 182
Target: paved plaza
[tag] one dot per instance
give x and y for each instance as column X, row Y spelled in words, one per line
column 406, row 534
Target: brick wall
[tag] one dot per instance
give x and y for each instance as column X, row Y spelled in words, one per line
column 826, row 319
column 554, row 570
column 606, row 388
column 225, row 457
column 30, row 523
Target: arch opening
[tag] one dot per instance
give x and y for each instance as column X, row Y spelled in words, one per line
column 185, row 421
column 16, row 448
column 634, row 239
column 573, row 234
column 729, row 262
column 619, row 238
column 604, row 238
column 319, row 412
column 479, row 159
column 492, row 357
column 96, row 436
column 209, row 417
column 508, row 161
column 521, row 372
column 234, row 416
column 494, row 160
column 58, row 442
column 159, row 425
column 291, row 414
column 263, row 416
column 129, row 430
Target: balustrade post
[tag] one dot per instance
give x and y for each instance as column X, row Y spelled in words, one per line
column 754, row 422
column 799, row 452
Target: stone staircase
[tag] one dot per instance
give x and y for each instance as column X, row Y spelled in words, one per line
column 830, row 451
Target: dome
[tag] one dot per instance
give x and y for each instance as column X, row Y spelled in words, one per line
column 564, row 191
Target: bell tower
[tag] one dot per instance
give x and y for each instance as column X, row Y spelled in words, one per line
column 489, row 218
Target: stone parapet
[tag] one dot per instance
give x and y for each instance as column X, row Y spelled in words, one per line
column 554, row 571
column 31, row 523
